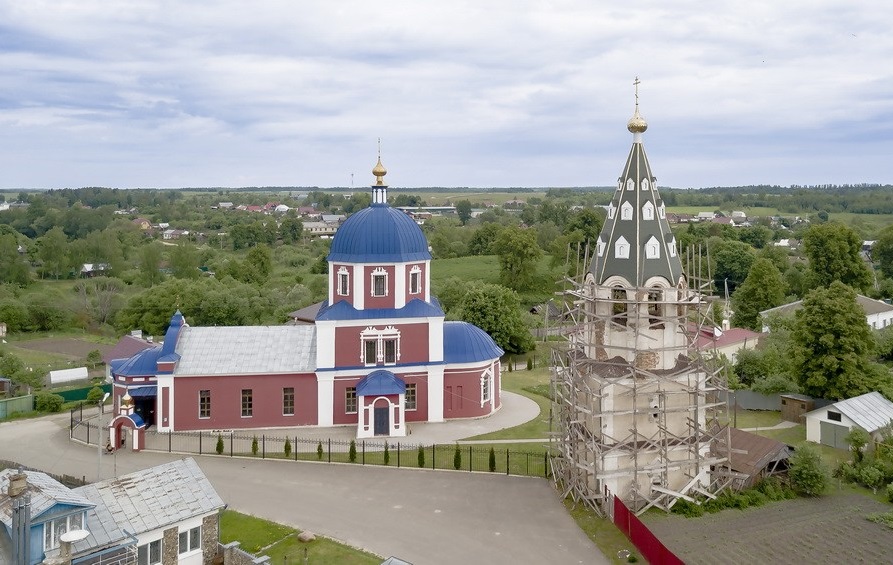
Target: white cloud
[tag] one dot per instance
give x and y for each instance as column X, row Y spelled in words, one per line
column 466, row 93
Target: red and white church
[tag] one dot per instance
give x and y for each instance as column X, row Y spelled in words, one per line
column 378, row 354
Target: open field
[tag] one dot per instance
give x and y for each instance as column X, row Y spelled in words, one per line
column 830, row 529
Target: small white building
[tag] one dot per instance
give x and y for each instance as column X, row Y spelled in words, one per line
column 878, row 314
column 830, row 425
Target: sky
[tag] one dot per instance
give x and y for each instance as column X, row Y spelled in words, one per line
column 501, row 93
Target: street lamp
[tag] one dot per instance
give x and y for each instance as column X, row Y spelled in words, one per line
column 99, row 439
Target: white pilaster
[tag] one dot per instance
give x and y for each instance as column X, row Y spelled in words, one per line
column 435, row 339
column 400, row 285
column 325, row 399
column 435, row 393
column 359, row 288
column 325, row 344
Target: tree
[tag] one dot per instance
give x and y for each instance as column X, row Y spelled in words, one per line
column 95, row 395
column 259, row 264
column 286, row 449
column 857, row 439
column 762, row 289
column 184, row 262
column 733, row 260
column 421, row 457
column 291, row 229
column 807, row 472
column 482, row 239
column 833, row 344
column 13, row 268
column 491, row 460
column 94, row 358
column 882, row 252
column 497, row 311
column 254, row 447
column 518, row 253
column 149, row 263
column 352, row 451
column 219, row 447
column 833, row 252
column 463, row 210
column 52, row 249
column 387, row 454
column 457, row 458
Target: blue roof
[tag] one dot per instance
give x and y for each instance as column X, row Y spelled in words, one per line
column 380, row 382
column 173, row 333
column 377, row 234
column 137, row 420
column 144, row 363
column 467, row 343
column 344, row 310
column 143, row 391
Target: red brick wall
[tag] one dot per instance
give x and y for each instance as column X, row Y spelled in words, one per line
column 413, row 344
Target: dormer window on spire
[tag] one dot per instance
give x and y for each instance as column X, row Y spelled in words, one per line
column 626, row 211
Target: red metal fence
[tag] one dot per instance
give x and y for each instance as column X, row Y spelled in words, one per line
column 638, row 533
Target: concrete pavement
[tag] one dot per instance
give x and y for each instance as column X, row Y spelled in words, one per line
column 426, row 517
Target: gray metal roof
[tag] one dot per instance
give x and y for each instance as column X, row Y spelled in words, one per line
column 154, row 498
column 636, row 219
column 870, row 411
column 45, row 493
column 869, row 305
column 246, row 350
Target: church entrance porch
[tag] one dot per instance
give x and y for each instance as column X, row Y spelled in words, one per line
column 381, row 396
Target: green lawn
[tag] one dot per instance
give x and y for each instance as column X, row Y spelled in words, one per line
column 602, row 532
column 281, row 544
column 484, row 268
column 520, row 382
column 796, row 436
column 754, row 418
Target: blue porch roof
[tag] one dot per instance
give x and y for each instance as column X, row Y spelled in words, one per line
column 380, row 383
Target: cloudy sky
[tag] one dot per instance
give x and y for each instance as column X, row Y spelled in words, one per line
column 141, row 93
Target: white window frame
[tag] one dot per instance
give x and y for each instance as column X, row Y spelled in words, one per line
column 662, row 211
column 410, row 399
column 621, row 248
column 379, row 336
column 671, row 249
column 247, row 409
column 611, row 211
column 343, row 282
column 415, row 280
column 285, row 398
column 191, row 538
column 626, row 211
column 648, row 211
column 486, row 386
column 54, row 528
column 652, row 248
column 645, row 184
column 200, row 408
column 630, row 184
column 147, row 548
column 600, row 246
column 378, row 272
column 350, row 397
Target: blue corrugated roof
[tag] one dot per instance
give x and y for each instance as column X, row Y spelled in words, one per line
column 144, row 363
column 379, row 233
column 137, row 420
column 143, row 391
column 380, row 382
column 343, row 310
column 467, row 343
column 173, row 332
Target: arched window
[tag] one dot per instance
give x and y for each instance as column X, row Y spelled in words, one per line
column 655, row 308
column 645, row 184
column 343, row 282
column 671, row 249
column 611, row 211
column 630, row 184
column 621, row 248
column 600, row 246
column 648, row 211
column 626, row 211
column 662, row 211
column 652, row 248
column 415, row 280
column 619, row 307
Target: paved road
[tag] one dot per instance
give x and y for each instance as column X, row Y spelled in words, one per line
column 426, row 517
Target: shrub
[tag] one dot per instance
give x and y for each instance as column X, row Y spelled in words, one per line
column 457, row 458
column 890, row 492
column 319, row 451
column 421, row 457
column 846, row 472
column 219, row 447
column 287, row 448
column 492, row 462
column 687, row 509
column 529, row 363
column 387, row 454
column 352, row 452
column 871, row 476
column 857, row 439
column 807, row 473
column 48, row 402
column 254, row 446
column 95, row 395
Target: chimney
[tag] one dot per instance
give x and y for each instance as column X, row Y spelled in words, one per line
column 18, row 484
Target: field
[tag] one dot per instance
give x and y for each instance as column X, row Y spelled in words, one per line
column 51, row 353
column 831, row 529
column 754, row 211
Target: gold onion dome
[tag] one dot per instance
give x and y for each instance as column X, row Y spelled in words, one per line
column 126, row 400
column 637, row 123
column 379, row 171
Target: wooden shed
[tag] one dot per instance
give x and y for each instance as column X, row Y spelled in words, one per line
column 795, row 406
column 754, row 458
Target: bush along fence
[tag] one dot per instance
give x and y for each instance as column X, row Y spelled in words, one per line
column 473, row 458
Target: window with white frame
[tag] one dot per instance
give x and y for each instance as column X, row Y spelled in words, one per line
column 621, row 248
column 149, row 554
column 600, row 246
column 380, row 346
column 626, row 211
column 379, row 282
column 190, row 540
column 611, row 211
column 671, row 249
column 350, row 400
column 204, row 404
column 410, row 398
column 630, row 184
column 648, row 211
column 53, row 529
column 486, row 386
column 652, row 248
column 343, row 282
column 662, row 211
column 288, row 401
column 247, row 403
column 645, row 184
column 415, row 280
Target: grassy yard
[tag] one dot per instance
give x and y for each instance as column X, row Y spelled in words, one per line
column 754, row 418
column 281, row 543
column 796, row 436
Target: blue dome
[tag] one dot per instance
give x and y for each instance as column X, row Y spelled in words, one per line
column 467, row 343
column 379, row 234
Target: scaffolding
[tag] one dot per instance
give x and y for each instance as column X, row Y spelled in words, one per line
column 637, row 407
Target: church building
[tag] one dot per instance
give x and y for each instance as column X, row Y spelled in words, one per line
column 379, row 354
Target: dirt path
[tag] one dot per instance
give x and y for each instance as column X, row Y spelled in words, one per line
column 831, row 529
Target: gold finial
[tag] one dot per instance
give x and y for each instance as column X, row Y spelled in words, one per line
column 126, row 400
column 637, row 123
column 379, row 171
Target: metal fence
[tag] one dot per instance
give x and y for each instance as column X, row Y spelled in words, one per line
column 473, row 458
column 17, row 404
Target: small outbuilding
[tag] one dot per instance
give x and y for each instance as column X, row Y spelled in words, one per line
column 795, row 406
column 754, row 458
column 830, row 425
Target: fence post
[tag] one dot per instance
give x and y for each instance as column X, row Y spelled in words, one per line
column 398, row 454
column 433, row 455
column 363, row 458
column 546, row 464
column 528, row 464
column 506, row 460
column 296, row 448
column 469, row 459
column 170, row 441
column 88, row 433
column 200, row 434
column 263, row 446
column 330, row 449
column 231, row 444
